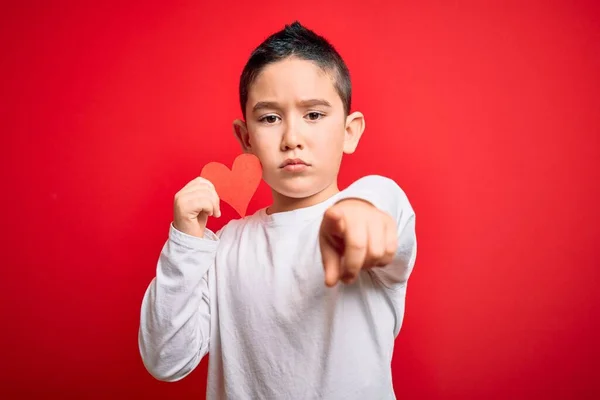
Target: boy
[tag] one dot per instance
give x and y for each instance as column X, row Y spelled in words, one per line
column 303, row 299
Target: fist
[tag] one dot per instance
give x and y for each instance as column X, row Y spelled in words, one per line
column 193, row 205
column 354, row 235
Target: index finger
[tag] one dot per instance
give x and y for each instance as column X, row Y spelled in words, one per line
column 333, row 222
column 331, row 261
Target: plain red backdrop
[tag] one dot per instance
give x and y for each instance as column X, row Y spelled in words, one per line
column 486, row 115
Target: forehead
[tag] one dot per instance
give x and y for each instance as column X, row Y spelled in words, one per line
column 293, row 79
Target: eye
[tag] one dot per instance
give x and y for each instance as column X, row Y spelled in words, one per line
column 269, row 119
column 314, row 116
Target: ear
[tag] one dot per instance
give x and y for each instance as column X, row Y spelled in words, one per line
column 240, row 130
column 355, row 126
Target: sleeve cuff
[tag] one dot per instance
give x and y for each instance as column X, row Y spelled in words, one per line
column 192, row 242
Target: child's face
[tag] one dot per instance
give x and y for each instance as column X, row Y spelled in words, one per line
column 294, row 112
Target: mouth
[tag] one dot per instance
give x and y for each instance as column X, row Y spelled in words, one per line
column 292, row 162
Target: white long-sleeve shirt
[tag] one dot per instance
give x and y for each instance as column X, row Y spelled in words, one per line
column 254, row 296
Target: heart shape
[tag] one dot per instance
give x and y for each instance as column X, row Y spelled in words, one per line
column 236, row 186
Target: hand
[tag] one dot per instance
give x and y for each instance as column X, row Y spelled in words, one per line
column 355, row 234
column 193, row 205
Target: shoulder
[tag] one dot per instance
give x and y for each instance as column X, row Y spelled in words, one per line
column 374, row 180
column 377, row 183
column 382, row 191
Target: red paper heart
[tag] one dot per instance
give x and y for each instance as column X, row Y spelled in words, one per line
column 238, row 185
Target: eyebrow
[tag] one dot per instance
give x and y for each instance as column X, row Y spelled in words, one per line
column 304, row 103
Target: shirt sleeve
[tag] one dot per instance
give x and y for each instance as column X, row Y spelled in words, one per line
column 175, row 314
column 386, row 195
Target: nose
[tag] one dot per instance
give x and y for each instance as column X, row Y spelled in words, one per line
column 291, row 138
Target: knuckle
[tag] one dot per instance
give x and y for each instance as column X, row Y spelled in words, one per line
column 356, row 244
column 391, row 252
column 206, row 182
column 353, row 264
column 392, row 246
column 179, row 202
column 387, row 257
column 378, row 252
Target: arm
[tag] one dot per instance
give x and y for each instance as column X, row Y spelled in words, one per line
column 175, row 315
column 388, row 197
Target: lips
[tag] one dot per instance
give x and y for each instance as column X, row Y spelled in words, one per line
column 293, row 161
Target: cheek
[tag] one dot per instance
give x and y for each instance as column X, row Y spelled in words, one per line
column 330, row 138
column 265, row 146
column 263, row 139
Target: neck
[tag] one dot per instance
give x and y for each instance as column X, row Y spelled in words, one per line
column 283, row 203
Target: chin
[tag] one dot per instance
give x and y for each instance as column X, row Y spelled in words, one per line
column 298, row 188
column 295, row 191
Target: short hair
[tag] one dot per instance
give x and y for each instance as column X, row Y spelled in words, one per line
column 297, row 41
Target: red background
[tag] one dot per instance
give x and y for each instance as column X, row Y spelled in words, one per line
column 486, row 115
